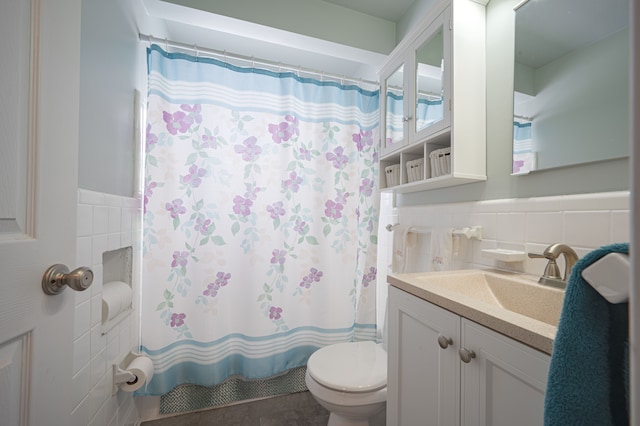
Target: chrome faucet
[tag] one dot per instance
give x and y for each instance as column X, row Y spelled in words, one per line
column 551, row 275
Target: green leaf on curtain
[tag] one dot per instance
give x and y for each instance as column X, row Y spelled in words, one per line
column 191, row 158
column 292, row 166
column 161, row 306
column 152, row 160
column 235, row 228
column 199, row 204
column 247, row 171
column 374, row 239
column 176, row 222
column 247, row 118
column 312, row 240
column 218, row 240
column 260, row 298
column 203, row 154
column 276, row 223
column 326, row 230
column 204, row 241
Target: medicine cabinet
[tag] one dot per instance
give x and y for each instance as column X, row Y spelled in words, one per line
column 433, row 108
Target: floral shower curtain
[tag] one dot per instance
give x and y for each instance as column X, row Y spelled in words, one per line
column 260, row 219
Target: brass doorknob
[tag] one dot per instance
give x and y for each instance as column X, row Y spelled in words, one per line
column 57, row 277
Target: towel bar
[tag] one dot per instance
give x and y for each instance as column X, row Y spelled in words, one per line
column 471, row 232
column 610, row 276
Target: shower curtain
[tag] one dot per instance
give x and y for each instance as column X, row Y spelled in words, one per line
column 260, row 219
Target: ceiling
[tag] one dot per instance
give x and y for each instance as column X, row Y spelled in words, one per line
column 390, row 10
column 255, row 28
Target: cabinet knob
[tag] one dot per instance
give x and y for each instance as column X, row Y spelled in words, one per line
column 444, row 341
column 466, row 355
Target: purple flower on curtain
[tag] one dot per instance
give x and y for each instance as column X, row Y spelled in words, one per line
column 249, row 149
column 369, row 276
column 275, row 210
column 252, row 191
column 363, row 139
column 193, row 179
column 209, row 141
column 517, row 165
column 342, row 197
column 148, row 192
column 180, row 258
column 151, row 138
column 333, row 210
column 285, row 130
column 202, row 225
column 366, row 187
column 274, row 313
column 177, row 319
column 175, row 208
column 305, row 154
column 337, row 158
column 177, row 122
column 278, row 256
column 222, row 279
column 242, row 206
column 313, row 276
column 293, row 183
column 299, row 226
column 194, row 112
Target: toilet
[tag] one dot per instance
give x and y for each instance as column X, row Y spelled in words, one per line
column 349, row 380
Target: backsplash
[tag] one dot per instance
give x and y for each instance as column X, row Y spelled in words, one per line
column 105, row 223
column 584, row 222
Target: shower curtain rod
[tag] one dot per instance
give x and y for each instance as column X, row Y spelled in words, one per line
column 224, row 54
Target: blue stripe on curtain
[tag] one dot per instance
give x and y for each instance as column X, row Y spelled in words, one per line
column 260, row 218
column 187, row 69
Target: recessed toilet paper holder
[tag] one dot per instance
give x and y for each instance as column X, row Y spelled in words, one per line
column 121, row 375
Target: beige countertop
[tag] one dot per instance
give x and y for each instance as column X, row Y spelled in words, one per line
column 482, row 308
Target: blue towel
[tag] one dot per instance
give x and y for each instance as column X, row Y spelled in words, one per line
column 587, row 382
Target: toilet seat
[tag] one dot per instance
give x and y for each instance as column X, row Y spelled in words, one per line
column 350, row 367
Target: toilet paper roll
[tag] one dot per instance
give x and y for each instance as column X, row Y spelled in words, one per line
column 142, row 368
column 116, row 297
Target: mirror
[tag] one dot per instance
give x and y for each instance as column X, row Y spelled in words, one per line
column 571, row 83
column 429, row 82
column 394, row 87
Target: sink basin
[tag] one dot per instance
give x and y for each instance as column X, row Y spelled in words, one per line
column 515, row 305
column 507, row 291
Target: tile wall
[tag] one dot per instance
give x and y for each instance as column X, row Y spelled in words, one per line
column 584, row 222
column 105, row 222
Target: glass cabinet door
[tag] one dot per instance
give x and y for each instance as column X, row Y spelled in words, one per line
column 431, row 109
column 394, row 110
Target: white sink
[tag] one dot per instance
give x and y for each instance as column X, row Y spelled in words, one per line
column 508, row 291
column 513, row 304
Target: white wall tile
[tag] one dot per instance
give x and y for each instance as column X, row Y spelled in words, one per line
column 81, row 352
column 511, row 227
column 80, row 385
column 543, row 227
column 620, row 226
column 587, row 229
column 81, row 317
column 84, row 220
column 100, row 220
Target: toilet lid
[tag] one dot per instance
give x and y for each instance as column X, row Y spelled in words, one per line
column 350, row 367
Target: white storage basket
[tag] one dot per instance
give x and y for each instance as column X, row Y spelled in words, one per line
column 415, row 170
column 392, row 173
column 440, row 160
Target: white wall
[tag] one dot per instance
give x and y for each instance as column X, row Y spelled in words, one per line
column 111, row 68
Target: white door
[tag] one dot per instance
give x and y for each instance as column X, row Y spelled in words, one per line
column 39, row 89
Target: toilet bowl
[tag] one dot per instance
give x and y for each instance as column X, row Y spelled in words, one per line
column 349, row 380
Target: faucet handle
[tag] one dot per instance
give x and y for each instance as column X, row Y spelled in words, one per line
column 551, row 270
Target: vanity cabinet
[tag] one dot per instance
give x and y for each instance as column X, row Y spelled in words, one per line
column 433, row 102
column 430, row 381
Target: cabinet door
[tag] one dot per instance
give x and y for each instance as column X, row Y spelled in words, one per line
column 394, row 111
column 423, row 378
column 504, row 384
column 430, row 85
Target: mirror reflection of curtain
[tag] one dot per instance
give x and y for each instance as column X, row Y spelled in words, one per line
column 395, row 116
column 524, row 156
column 260, row 219
column 429, row 111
